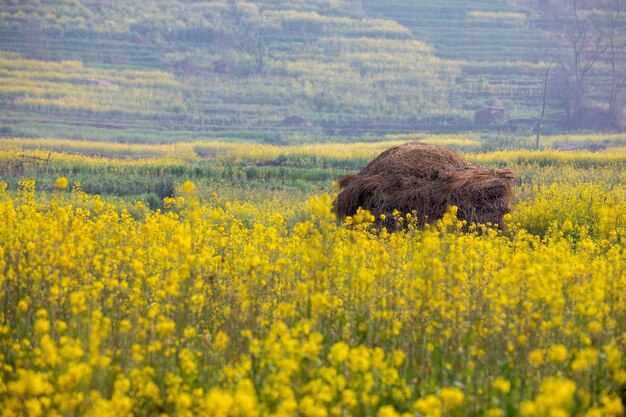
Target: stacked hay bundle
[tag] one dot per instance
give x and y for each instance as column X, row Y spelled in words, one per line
column 426, row 178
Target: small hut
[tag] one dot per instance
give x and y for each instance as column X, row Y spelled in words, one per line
column 295, row 120
column 490, row 116
column 426, row 179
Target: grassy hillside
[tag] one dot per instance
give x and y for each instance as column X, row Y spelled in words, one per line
column 179, row 70
column 480, row 30
column 493, row 44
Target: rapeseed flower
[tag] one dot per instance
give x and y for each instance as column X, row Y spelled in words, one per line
column 555, row 398
column 536, row 357
column 502, row 385
column 221, row 341
column 222, row 308
column 557, row 353
column 188, row 187
column 494, row 412
column 429, row 406
column 451, row 397
column 61, row 183
column 584, row 359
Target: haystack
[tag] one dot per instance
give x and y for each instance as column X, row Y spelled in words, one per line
column 295, row 120
column 426, row 179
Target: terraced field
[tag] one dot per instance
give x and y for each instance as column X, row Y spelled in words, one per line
column 480, row 30
column 492, row 42
column 237, row 69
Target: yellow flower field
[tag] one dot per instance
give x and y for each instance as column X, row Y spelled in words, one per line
column 193, row 311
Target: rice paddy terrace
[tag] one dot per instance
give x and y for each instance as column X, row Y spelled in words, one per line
column 174, row 70
column 493, row 44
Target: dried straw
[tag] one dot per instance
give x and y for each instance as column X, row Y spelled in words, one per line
column 426, row 178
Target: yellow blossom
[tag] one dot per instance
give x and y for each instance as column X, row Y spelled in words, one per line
column 494, row 412
column 536, row 357
column 584, row 359
column 255, row 303
column 387, row 411
column 221, row 340
column 451, row 397
column 339, row 352
column 22, row 305
column 429, row 406
column 557, row 353
column 502, row 385
column 188, row 187
column 555, row 398
column 612, row 406
column 125, row 326
column 61, row 183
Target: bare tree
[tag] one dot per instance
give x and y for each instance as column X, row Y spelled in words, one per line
column 618, row 76
column 586, row 48
column 589, row 54
column 546, row 76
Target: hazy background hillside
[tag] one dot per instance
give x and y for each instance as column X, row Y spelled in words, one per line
column 166, row 70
